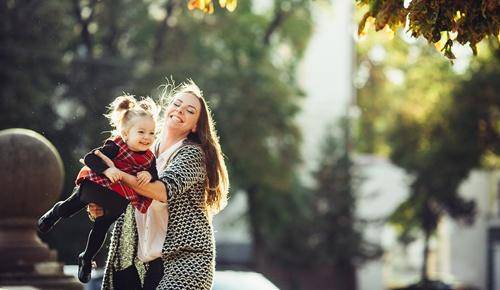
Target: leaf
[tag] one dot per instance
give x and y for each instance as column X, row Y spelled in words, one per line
column 230, row 5
column 204, row 5
column 362, row 23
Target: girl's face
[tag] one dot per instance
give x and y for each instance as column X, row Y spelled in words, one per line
column 141, row 135
column 182, row 113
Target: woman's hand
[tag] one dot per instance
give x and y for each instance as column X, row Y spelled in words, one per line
column 113, row 174
column 94, row 211
column 143, row 177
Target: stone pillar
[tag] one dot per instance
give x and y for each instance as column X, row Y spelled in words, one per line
column 30, row 182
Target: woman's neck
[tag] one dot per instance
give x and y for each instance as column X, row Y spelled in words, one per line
column 168, row 139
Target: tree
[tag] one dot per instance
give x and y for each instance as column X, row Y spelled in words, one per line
column 441, row 22
column 321, row 240
column 394, row 78
column 336, row 231
column 468, row 130
column 438, row 130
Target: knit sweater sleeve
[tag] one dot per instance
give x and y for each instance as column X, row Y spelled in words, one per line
column 152, row 170
column 186, row 169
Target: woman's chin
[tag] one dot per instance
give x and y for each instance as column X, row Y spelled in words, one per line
column 174, row 125
column 177, row 127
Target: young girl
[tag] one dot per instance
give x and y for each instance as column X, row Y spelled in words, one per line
column 134, row 123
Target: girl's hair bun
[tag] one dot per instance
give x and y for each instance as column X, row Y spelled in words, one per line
column 148, row 105
column 124, row 103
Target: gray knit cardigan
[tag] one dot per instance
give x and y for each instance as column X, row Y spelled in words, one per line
column 189, row 249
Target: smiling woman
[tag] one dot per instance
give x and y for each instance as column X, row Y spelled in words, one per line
column 172, row 245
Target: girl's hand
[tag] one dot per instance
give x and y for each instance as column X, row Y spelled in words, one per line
column 113, row 174
column 143, row 177
column 94, row 211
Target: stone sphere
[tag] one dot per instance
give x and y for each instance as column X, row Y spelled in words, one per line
column 32, row 175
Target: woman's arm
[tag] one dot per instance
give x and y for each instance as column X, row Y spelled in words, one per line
column 186, row 170
column 154, row 190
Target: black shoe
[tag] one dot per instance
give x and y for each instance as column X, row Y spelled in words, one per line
column 48, row 220
column 84, row 269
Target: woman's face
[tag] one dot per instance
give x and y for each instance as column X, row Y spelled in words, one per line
column 182, row 113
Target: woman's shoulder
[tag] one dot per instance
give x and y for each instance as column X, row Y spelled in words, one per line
column 191, row 146
column 190, row 149
column 189, row 156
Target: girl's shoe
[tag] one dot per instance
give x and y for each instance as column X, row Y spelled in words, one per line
column 84, row 269
column 48, row 220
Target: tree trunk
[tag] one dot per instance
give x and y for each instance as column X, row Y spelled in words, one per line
column 85, row 33
column 110, row 39
column 161, row 33
column 257, row 238
column 278, row 19
column 423, row 274
column 345, row 276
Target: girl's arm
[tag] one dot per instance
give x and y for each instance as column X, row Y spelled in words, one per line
column 109, row 149
column 154, row 190
column 152, row 170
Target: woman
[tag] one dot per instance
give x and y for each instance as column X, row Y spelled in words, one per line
column 192, row 187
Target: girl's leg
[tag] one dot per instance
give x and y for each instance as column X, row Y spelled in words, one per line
column 154, row 274
column 71, row 205
column 62, row 209
column 97, row 236
column 96, row 239
column 127, row 279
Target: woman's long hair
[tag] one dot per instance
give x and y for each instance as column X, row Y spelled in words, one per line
column 217, row 184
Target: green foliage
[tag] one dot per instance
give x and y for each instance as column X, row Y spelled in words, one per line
column 396, row 78
column 444, row 21
column 440, row 127
column 441, row 153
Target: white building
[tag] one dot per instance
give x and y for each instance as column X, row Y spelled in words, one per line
column 325, row 74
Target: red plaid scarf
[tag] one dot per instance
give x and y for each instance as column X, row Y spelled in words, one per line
column 127, row 161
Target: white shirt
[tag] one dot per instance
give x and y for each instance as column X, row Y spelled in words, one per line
column 152, row 225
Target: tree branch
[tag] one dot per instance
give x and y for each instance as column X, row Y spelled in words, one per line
column 110, row 39
column 85, row 34
column 279, row 17
column 161, row 32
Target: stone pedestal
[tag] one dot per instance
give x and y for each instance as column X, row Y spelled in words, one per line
column 29, row 184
